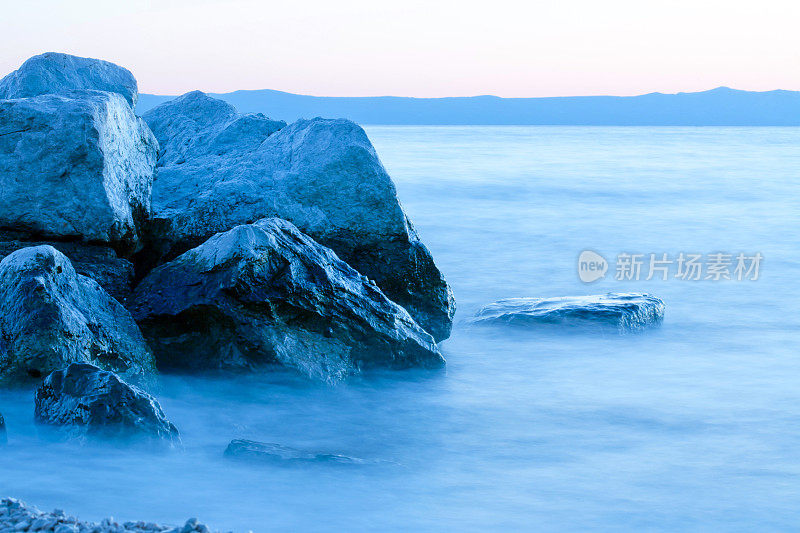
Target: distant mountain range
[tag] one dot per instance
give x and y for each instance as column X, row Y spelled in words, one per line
column 718, row 107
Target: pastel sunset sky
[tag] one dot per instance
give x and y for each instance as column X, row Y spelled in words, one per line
column 421, row 48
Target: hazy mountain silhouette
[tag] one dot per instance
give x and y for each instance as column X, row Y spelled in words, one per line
column 718, row 107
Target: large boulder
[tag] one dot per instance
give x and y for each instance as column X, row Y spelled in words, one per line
column 101, row 263
column 89, row 402
column 218, row 169
column 53, row 316
column 75, row 167
column 54, row 73
column 622, row 311
column 195, row 126
column 266, row 293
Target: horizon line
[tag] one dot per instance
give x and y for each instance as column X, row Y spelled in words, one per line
column 718, row 88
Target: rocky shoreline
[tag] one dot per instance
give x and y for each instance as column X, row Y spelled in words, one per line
column 194, row 238
column 15, row 515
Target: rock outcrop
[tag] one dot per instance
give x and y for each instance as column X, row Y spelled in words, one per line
column 251, row 450
column 268, row 294
column 89, row 402
column 624, row 311
column 54, row 73
column 17, row 516
column 218, row 169
column 53, row 316
column 75, row 167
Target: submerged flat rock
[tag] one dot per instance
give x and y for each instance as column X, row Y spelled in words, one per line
column 52, row 316
column 265, row 293
column 625, row 311
column 87, row 401
column 276, row 453
column 218, row 169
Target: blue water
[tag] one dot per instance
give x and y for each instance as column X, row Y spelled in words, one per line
column 693, row 426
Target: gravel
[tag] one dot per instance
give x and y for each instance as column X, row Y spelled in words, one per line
column 15, row 515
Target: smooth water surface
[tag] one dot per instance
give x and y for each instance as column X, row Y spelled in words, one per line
column 693, row 426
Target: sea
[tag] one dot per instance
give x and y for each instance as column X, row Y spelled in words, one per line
column 690, row 426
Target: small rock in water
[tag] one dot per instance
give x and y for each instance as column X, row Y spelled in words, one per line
column 88, row 401
column 3, row 437
column 264, row 451
column 625, row 311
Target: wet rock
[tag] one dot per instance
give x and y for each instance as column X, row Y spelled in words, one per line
column 14, row 514
column 265, row 294
column 53, row 316
column 218, row 169
column 75, row 167
column 101, row 263
column 55, row 73
column 275, row 453
column 90, row 402
column 3, row 435
column 625, row 311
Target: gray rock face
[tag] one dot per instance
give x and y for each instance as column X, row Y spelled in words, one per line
column 218, row 169
column 275, row 453
column 89, row 402
column 268, row 294
column 625, row 311
column 54, row 73
column 15, row 514
column 3, row 436
column 195, row 126
column 53, row 316
column 76, row 167
column 101, row 263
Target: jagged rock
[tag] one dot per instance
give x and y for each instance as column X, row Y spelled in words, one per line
column 87, row 401
column 3, row 436
column 54, row 73
column 218, row 169
column 194, row 126
column 275, row 453
column 625, row 311
column 75, row 167
column 101, row 263
column 266, row 293
column 14, row 513
column 53, row 316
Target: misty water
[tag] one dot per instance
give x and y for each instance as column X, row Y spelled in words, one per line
column 693, row 425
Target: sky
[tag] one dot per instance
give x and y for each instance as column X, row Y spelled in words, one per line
column 421, row 48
